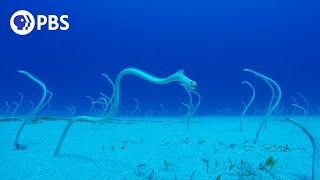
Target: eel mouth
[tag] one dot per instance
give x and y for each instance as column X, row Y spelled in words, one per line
column 191, row 86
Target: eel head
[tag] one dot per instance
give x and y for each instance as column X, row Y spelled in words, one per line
column 185, row 81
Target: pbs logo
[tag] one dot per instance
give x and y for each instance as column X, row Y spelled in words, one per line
column 23, row 22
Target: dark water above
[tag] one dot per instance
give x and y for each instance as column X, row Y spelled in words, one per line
column 211, row 40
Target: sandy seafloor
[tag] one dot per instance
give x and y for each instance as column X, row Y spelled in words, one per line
column 159, row 148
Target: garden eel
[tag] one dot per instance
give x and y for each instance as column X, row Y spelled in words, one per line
column 45, row 98
column 276, row 104
column 115, row 99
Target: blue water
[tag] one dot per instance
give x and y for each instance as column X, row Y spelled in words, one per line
column 211, row 40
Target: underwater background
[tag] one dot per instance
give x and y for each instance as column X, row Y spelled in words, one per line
column 158, row 134
column 211, row 40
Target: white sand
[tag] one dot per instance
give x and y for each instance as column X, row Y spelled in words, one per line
column 158, row 150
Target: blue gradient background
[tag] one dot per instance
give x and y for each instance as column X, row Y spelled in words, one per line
column 211, row 40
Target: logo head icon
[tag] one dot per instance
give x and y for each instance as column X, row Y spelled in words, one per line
column 22, row 22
